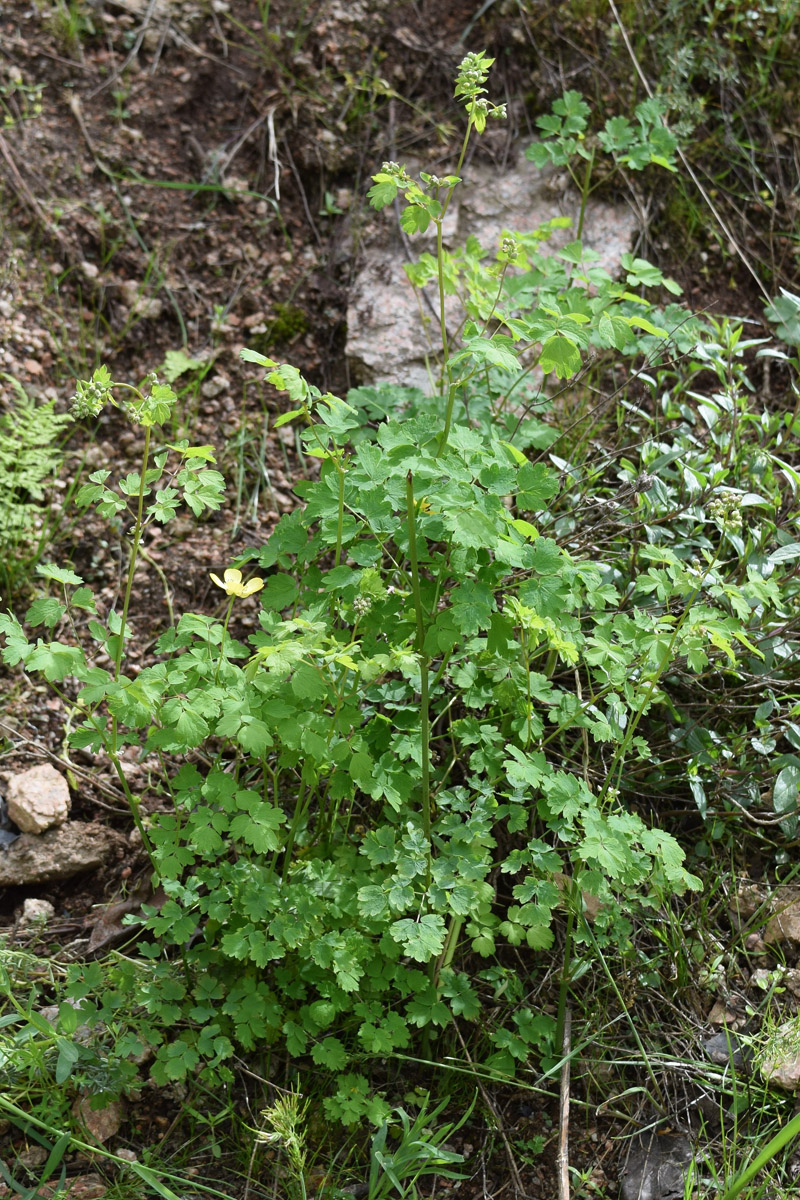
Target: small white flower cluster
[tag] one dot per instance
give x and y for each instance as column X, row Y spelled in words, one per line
column 697, row 567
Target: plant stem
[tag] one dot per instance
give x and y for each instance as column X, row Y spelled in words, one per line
column 572, row 897
column 658, row 1095
column 585, row 189
column 133, row 802
column 442, row 323
column 137, row 534
column 446, row 957
column 340, row 517
column 300, row 809
column 447, row 381
column 563, row 1148
column 222, row 639
column 495, row 303
column 425, row 732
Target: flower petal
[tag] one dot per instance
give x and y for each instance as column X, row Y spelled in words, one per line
column 231, row 583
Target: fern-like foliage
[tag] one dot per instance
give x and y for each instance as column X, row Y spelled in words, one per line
column 30, row 457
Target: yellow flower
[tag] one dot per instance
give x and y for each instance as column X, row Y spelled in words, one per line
column 232, row 585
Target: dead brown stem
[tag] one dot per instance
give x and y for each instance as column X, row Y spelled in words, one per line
column 563, row 1133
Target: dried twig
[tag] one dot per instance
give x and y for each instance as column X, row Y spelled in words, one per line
column 516, row 1178
column 272, row 151
column 563, row 1133
column 302, row 192
column 687, row 165
column 134, row 50
column 27, row 197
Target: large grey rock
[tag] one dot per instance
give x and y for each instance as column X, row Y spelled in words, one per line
column 38, row 799
column 57, row 854
column 728, row 1050
column 386, row 339
column 656, row 1166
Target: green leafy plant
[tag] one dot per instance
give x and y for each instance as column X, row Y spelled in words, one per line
column 19, row 100
column 31, row 435
column 630, row 145
column 43, row 1060
column 72, row 22
column 198, row 487
column 420, row 1152
column 425, row 753
column 784, row 311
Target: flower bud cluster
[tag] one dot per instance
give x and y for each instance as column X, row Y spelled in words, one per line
column 362, row 605
column 91, row 395
column 497, row 112
column 472, row 75
column 726, row 510
column 473, row 71
column 398, row 173
column 132, row 411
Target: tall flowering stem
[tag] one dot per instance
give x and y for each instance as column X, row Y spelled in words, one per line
column 231, row 583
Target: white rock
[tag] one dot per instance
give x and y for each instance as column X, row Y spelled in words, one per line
column 38, row 799
column 215, row 386
column 385, row 334
column 781, row 1066
column 784, row 926
column 150, row 309
column 35, row 914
